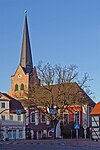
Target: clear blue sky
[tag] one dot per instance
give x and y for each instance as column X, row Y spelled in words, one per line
column 61, row 32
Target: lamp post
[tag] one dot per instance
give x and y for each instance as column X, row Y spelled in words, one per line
column 76, row 126
column 1, row 133
column 53, row 112
column 90, row 133
column 18, row 112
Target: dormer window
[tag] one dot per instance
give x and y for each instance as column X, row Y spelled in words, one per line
column 22, row 87
column 16, row 87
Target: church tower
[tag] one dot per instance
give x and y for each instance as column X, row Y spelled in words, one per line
column 25, row 76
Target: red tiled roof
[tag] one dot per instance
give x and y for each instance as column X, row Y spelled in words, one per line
column 96, row 110
column 73, row 94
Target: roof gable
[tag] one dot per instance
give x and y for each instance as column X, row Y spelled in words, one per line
column 13, row 103
column 4, row 97
column 19, row 70
column 96, row 110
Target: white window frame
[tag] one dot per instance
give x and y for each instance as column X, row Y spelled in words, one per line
column 14, row 134
column 19, row 116
column 31, row 117
column 11, row 116
column 78, row 117
column 2, row 105
column 2, row 117
column 20, row 133
column 10, row 133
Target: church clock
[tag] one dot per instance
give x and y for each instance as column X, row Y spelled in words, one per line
column 19, row 75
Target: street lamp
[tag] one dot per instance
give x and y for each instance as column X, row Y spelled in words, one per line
column 90, row 133
column 53, row 112
column 77, row 126
column 1, row 131
column 18, row 112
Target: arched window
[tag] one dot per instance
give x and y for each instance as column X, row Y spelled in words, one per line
column 22, row 86
column 16, row 87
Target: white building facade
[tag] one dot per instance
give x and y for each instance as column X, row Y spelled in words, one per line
column 12, row 118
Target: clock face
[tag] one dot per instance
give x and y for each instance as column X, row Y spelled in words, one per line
column 19, row 75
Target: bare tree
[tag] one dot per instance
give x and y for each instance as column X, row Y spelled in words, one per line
column 60, row 87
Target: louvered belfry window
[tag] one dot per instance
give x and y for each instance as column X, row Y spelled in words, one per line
column 16, row 87
column 22, row 87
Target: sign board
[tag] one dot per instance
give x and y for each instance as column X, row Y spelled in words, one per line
column 84, row 131
column 53, row 111
column 52, row 129
column 76, row 126
column 18, row 111
column 84, row 126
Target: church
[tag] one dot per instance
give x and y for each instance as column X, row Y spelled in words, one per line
column 26, row 74
column 25, row 77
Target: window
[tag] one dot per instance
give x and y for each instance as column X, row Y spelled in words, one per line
column 77, row 117
column 3, row 117
column 11, row 117
column 19, row 117
column 14, row 134
column 20, row 134
column 9, row 133
column 95, row 121
column 43, row 117
column 16, row 87
column 33, row 117
column 2, row 105
column 22, row 86
column 65, row 118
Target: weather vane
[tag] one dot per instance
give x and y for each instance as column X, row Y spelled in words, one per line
column 25, row 12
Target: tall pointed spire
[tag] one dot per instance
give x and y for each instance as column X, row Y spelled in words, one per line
column 26, row 56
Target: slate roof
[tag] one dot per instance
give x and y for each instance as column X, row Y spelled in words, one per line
column 96, row 109
column 26, row 56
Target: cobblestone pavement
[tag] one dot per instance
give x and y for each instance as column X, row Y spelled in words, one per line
column 60, row 144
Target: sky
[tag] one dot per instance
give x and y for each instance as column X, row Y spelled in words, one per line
column 61, row 32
